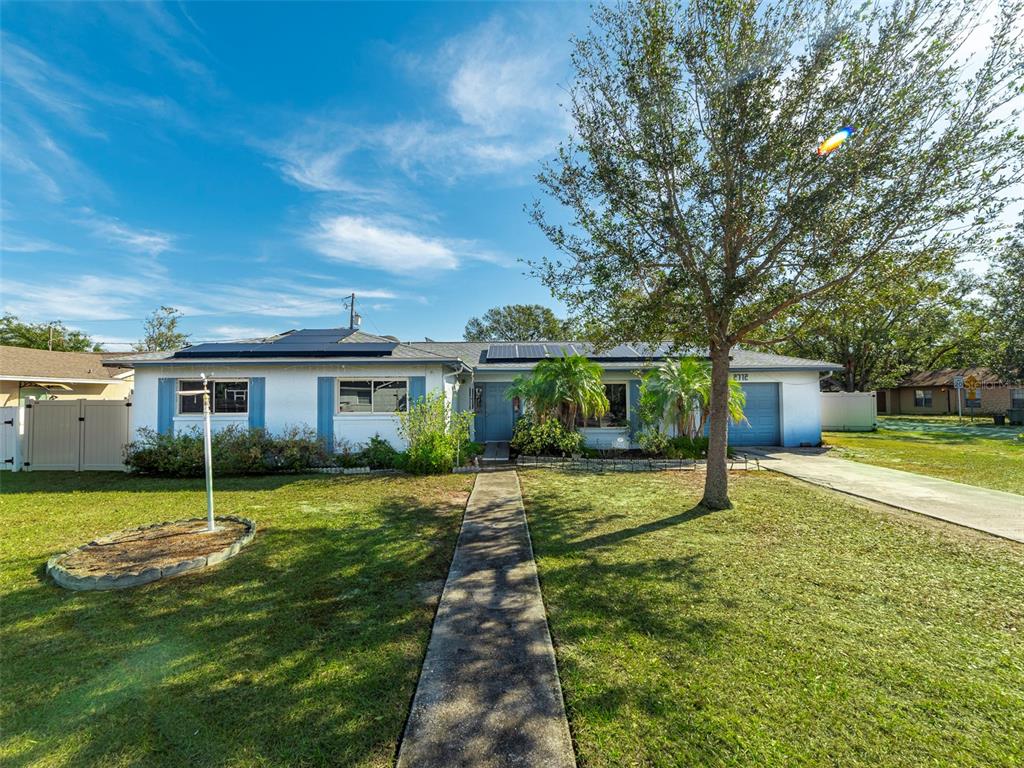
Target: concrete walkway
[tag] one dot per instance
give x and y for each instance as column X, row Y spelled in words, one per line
column 995, row 512
column 489, row 694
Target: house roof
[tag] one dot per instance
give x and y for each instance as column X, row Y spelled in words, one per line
column 343, row 344
column 23, row 364
column 359, row 346
column 943, row 377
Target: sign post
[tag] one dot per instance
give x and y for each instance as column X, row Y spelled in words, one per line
column 973, row 386
column 958, row 384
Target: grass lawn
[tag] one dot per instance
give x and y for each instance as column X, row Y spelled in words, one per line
column 798, row 629
column 975, row 459
column 303, row 650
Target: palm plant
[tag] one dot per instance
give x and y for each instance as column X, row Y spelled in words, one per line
column 676, row 390
column 530, row 393
column 569, row 386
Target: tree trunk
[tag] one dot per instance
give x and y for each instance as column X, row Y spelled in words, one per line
column 716, row 484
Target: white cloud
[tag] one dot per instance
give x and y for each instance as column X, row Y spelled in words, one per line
column 148, row 241
column 11, row 242
column 313, row 158
column 376, row 245
column 238, row 332
column 501, row 79
column 308, row 296
column 79, row 297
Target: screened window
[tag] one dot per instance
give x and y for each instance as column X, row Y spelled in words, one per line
column 355, row 397
column 373, row 396
column 618, row 412
column 922, row 398
column 1017, row 398
column 228, row 396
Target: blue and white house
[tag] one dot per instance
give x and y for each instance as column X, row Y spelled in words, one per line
column 350, row 385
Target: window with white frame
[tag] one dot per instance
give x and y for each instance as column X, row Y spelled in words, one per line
column 229, row 396
column 618, row 412
column 922, row 398
column 373, row 395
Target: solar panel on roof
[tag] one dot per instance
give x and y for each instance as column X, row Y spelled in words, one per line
column 532, row 352
column 310, row 342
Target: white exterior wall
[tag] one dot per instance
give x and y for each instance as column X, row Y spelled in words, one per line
column 291, row 395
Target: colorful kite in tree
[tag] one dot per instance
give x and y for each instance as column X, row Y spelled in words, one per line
column 835, row 141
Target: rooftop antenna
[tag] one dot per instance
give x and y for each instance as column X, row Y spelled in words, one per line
column 354, row 320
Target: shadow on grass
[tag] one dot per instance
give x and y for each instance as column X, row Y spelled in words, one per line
column 614, row 584
column 112, row 482
column 304, row 649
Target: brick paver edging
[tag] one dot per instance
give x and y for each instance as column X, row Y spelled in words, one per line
column 65, row 578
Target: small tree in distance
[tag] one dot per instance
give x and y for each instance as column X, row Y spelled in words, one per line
column 518, row 322
column 698, row 208
column 161, row 332
column 53, row 336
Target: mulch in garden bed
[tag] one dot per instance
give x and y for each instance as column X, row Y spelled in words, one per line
column 159, row 546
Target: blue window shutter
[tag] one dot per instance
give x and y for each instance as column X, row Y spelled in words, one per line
column 166, row 391
column 417, row 389
column 257, row 402
column 325, row 410
column 634, row 405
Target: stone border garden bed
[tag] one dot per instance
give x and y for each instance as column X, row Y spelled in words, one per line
column 73, row 569
column 627, row 463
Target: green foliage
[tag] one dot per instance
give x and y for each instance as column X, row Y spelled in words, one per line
column 652, row 441
column 901, row 316
column 518, row 322
column 434, row 435
column 547, row 437
column 55, row 336
column 378, row 453
column 563, row 388
column 1005, row 285
column 236, row 451
column 686, row 447
column 161, row 332
column 674, row 392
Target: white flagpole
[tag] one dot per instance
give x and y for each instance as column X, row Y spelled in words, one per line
column 208, row 453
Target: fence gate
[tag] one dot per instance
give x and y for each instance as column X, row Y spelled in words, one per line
column 76, row 434
column 8, row 438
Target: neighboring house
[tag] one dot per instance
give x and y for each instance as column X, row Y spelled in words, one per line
column 43, row 375
column 932, row 393
column 350, row 385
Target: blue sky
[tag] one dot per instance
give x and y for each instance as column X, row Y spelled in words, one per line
column 253, row 164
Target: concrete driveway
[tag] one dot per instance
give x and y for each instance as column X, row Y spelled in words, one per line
column 995, row 512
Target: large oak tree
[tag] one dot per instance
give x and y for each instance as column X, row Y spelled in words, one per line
column 698, row 210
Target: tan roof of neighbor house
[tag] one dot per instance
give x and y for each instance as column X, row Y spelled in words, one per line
column 943, row 377
column 26, row 363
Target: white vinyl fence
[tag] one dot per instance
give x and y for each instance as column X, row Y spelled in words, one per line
column 9, row 443
column 848, row 411
column 76, row 434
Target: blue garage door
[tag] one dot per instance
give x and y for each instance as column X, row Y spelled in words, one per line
column 762, row 412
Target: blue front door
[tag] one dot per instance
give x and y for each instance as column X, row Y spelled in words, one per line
column 497, row 412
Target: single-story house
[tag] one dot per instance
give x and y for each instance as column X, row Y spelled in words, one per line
column 44, row 375
column 350, row 385
column 932, row 393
